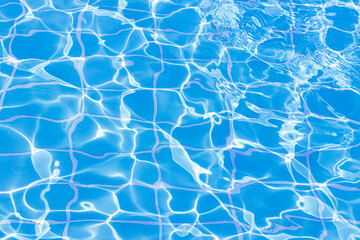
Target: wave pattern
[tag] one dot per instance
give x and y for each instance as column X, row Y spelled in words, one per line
column 179, row 119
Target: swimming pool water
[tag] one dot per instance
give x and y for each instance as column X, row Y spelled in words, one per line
column 179, row 119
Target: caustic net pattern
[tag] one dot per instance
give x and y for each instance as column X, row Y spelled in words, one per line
column 179, row 119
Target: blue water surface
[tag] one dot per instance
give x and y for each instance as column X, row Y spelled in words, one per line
column 180, row 119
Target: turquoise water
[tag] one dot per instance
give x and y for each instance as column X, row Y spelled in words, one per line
column 178, row 119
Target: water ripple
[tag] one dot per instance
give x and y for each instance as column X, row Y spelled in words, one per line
column 202, row 119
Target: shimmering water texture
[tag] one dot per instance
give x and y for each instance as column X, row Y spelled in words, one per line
column 178, row 119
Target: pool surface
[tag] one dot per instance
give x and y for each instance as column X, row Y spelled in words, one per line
column 179, row 119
